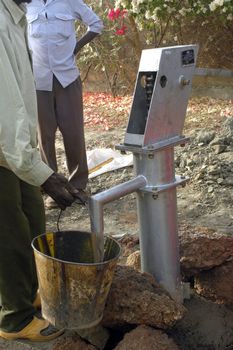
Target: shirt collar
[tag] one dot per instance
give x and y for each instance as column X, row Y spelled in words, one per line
column 17, row 12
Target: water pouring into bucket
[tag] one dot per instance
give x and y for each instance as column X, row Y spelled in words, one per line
column 73, row 285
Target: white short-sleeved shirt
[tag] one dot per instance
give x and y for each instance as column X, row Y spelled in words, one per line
column 52, row 38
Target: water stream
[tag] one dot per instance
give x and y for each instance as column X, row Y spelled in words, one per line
column 97, row 241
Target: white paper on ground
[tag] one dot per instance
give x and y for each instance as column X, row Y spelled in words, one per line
column 103, row 160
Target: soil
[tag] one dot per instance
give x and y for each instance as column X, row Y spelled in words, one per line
column 199, row 203
column 205, row 201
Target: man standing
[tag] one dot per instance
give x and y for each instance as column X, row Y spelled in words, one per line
column 22, row 172
column 52, row 39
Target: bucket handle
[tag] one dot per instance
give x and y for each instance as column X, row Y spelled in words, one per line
column 61, row 210
column 58, row 220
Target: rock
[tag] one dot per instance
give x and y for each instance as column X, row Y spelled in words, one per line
column 206, row 326
column 190, row 162
column 146, row 338
column 218, row 140
column 135, row 298
column 69, row 341
column 199, row 176
column 177, row 161
column 219, row 148
column 216, row 284
column 134, row 260
column 202, row 249
column 214, row 170
column 129, row 244
column 97, row 336
column 228, row 126
column 220, row 180
column 182, row 163
column 205, row 137
column 228, row 181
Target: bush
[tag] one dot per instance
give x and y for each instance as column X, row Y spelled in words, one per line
column 133, row 25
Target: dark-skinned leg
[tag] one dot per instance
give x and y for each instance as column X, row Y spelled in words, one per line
column 69, row 112
column 47, row 127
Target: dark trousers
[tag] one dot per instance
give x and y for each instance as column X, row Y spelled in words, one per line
column 21, row 219
column 62, row 109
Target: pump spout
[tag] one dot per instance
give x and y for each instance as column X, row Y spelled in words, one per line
column 96, row 204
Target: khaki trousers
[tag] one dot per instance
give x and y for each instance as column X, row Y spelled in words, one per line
column 62, row 109
column 21, row 219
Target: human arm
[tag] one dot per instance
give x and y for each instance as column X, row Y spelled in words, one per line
column 17, row 127
column 85, row 39
column 88, row 18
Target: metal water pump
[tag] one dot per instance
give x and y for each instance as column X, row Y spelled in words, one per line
column 155, row 127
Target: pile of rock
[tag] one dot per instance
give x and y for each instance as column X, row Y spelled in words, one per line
column 207, row 263
column 206, row 258
column 143, row 313
column 138, row 310
column 140, row 314
column 208, row 159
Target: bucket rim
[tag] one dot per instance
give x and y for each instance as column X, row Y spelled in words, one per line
column 75, row 263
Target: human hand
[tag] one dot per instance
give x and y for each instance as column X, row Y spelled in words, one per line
column 57, row 187
column 81, row 197
column 85, row 39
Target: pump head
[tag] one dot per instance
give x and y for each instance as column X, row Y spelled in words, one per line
column 161, row 94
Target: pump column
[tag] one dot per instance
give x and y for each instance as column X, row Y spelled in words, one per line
column 157, row 216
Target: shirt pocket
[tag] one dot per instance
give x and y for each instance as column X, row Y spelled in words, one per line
column 35, row 26
column 64, row 25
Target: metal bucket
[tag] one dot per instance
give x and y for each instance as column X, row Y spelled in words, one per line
column 73, row 287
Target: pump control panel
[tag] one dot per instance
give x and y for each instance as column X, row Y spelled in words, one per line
column 161, row 94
